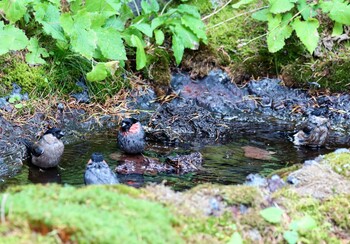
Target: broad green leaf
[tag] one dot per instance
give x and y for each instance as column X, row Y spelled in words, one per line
column 126, row 35
column 158, row 21
column 236, row 239
column 307, row 32
column 19, row 105
column 188, row 9
column 144, row 28
column 12, row 100
column 83, row 39
column 178, row 48
column 149, row 6
column 306, row 9
column 339, row 10
column 112, row 66
column 98, row 73
column 159, row 35
column 337, row 29
column 280, row 6
column 36, row 53
column 140, row 52
column 188, row 39
column 278, row 31
column 240, row 3
column 12, row 38
column 107, row 8
column 272, row 214
column 304, row 224
column 49, row 16
column 14, row 9
column 261, row 14
column 291, row 237
column 116, row 23
column 111, row 44
column 196, row 25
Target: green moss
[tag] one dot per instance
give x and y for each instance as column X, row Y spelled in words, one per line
column 340, row 162
column 93, row 214
column 14, row 70
column 284, row 172
column 337, row 210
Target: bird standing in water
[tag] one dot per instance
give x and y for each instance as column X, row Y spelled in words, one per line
column 314, row 133
column 98, row 172
column 131, row 136
column 47, row 152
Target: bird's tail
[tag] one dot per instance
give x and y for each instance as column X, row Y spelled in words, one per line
column 27, row 143
column 32, row 147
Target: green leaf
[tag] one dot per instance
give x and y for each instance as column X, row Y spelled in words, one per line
column 291, row 237
column 98, row 73
column 236, row 239
column 83, row 39
column 303, row 225
column 140, row 52
column 241, row 3
column 115, row 23
column 144, row 28
column 339, row 10
column 19, row 105
column 12, row 38
column 307, row 32
column 188, row 39
column 156, row 22
column 337, row 29
column 272, row 214
column 12, row 100
column 280, row 6
column 196, row 25
column 149, row 6
column 178, row 48
column 261, row 14
column 49, row 16
column 111, row 44
column 306, row 9
column 159, row 35
column 14, row 9
column 107, row 8
column 279, row 30
column 36, row 53
column 188, row 9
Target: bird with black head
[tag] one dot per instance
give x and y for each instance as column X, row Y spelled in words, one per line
column 98, row 172
column 48, row 150
column 131, row 136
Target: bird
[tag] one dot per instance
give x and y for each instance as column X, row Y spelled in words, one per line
column 314, row 133
column 48, row 150
column 131, row 136
column 98, row 172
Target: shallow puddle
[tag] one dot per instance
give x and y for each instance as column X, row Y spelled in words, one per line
column 224, row 164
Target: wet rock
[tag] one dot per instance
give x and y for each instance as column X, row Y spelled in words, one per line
column 82, row 97
column 319, row 181
column 256, row 180
column 275, row 183
column 185, row 163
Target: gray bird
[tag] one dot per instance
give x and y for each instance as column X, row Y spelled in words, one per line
column 314, row 133
column 131, row 136
column 98, row 172
column 47, row 152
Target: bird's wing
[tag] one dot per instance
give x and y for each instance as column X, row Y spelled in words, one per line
column 33, row 148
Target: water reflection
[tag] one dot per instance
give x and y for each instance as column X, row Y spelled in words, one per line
column 224, row 164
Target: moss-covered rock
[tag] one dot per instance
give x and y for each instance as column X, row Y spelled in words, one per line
column 339, row 161
column 88, row 215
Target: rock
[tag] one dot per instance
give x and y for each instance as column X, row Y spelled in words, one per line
column 257, row 153
column 185, row 163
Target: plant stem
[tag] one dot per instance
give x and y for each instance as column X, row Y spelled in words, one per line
column 216, row 11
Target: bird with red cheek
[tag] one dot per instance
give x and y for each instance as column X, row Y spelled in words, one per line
column 98, row 172
column 131, row 136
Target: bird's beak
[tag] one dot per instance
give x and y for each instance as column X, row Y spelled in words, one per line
column 61, row 133
column 123, row 125
column 89, row 162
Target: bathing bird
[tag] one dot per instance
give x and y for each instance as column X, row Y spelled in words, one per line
column 98, row 172
column 48, row 150
column 131, row 136
column 314, row 132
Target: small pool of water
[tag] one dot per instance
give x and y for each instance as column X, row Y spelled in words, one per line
column 223, row 164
